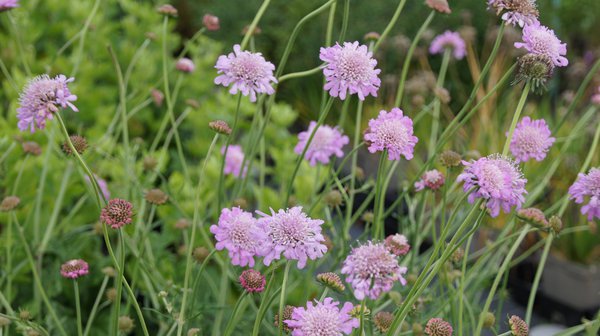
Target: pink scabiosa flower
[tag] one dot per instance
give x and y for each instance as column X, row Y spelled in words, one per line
column 521, row 12
column 432, row 179
column 292, row 233
column 540, row 40
column 41, row 98
column 397, row 244
column 210, row 22
column 326, row 142
column 596, row 97
column 117, row 213
column 8, row 4
column 350, row 69
column 497, row 179
column 587, row 186
column 246, row 72
column 234, row 160
column 438, row 327
column 322, row 319
column 185, row 65
column 391, row 131
column 372, row 264
column 531, row 140
column 253, row 281
column 75, row 268
column 238, row 232
column 449, row 40
column 102, row 184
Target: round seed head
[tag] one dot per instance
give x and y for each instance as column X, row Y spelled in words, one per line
column 126, row 324
column 9, row 203
column 79, row 142
column 156, row 197
column 31, row 147
column 287, row 315
column 383, row 321
column 220, row 127
column 332, row 281
column 450, row 159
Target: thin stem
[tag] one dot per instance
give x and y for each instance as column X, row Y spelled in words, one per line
column 92, row 315
column 462, row 285
column 436, row 108
column 353, row 168
column 254, row 23
column 379, row 230
column 538, row 276
column 120, row 270
column 516, row 117
column 264, row 305
column 361, row 326
column 216, row 331
column 77, row 307
column 230, row 324
column 224, row 156
column 282, row 296
column 390, row 25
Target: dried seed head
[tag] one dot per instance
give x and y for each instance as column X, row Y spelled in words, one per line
column 220, row 126
column 328, row 243
column 4, row 321
column 439, row 5
column 417, row 329
column 111, row 294
column 518, row 327
column 333, row 198
column 192, row 103
column 32, row 332
column 442, row 94
column 368, row 217
column 126, row 324
column 536, row 69
column 253, row 281
column 149, row 163
column 182, row 224
column 489, row 320
column 182, row 250
column 533, row 216
column 360, row 173
column 383, row 321
column 457, row 255
column 32, row 147
column 109, row 271
column 240, row 202
column 450, row 158
column 193, row 332
column 79, row 142
column 200, row 254
column 9, row 203
column 167, row 9
column 555, row 224
column 332, row 281
column 356, row 311
column 372, row 36
column 256, row 30
column 25, row 315
column 156, row 197
column 438, row 327
column 287, row 315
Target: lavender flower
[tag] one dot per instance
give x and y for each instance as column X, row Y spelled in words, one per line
column 292, row 233
column 210, row 22
column 249, row 73
column 372, row 270
column 233, row 161
column 392, row 131
column 432, row 179
column 521, row 12
column 8, row 4
column 185, row 65
column 326, row 142
column 397, row 244
column 75, row 268
column 540, row 40
column 323, row 319
column 496, row 179
column 350, row 69
column 238, row 232
column 102, row 184
column 531, row 139
column 41, row 98
column 449, row 40
column 587, row 186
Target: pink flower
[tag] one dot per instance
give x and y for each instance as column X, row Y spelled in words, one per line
column 391, row 131
column 117, row 213
column 587, row 186
column 519, row 12
column 322, row 319
column 540, row 40
column 432, row 179
column 42, row 97
column 8, row 4
column 326, row 142
column 449, row 40
column 292, row 233
column 75, row 268
column 102, row 184
column 438, row 327
column 253, row 281
column 372, row 264
column 211, row 22
column 531, row 139
column 596, row 97
column 496, row 179
column 238, row 232
column 397, row 244
column 233, row 161
column 246, row 72
column 350, row 68
column 185, row 65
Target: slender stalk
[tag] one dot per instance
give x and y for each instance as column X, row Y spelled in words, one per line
column 230, row 324
column 82, row 33
column 77, row 307
column 461, row 288
column 436, row 108
column 282, row 296
column 379, row 230
column 538, row 276
column 516, row 117
column 361, row 325
column 264, row 305
column 390, row 25
column 227, row 144
column 216, row 330
column 120, row 270
column 92, row 315
column 254, row 23
column 353, row 169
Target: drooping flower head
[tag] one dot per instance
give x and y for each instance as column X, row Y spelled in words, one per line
column 292, row 233
column 117, row 213
column 531, row 140
column 350, row 69
column 438, row 327
column 449, row 40
column 439, row 5
column 516, row 12
column 326, row 142
column 234, row 160
column 496, row 179
column 210, row 22
column 587, row 187
column 371, row 270
column 518, row 327
column 41, row 98
column 246, row 72
column 331, row 280
column 397, row 244
column 432, row 179
column 238, row 232
column 185, row 65
column 541, row 40
column 252, row 281
column 392, row 131
column 73, row 269
column 8, row 4
column 322, row 319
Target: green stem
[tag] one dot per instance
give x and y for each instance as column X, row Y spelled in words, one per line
column 262, row 308
column 390, row 25
column 461, row 289
column 216, row 331
column 345, row 20
column 254, row 23
column 227, row 144
column 77, row 307
column 516, row 117
column 120, row 270
column 538, row 276
column 437, row 104
column 92, row 315
column 282, row 296
column 230, row 324
column 361, row 326
column 379, row 229
column 353, row 169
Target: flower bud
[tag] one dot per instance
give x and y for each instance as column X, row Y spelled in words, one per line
column 220, row 126
column 167, row 9
column 450, row 159
column 9, row 203
column 79, row 142
column 383, row 321
column 332, row 281
column 210, row 22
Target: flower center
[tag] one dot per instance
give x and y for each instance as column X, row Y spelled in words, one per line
column 393, row 133
column 353, row 66
column 322, row 322
column 530, row 140
column 246, row 68
column 492, row 178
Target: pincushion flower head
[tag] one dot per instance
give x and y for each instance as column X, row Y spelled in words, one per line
column 8, row 4
column 449, row 40
column 326, row 142
column 350, row 69
column 516, row 12
column 185, row 65
column 372, row 269
column 246, row 72
column 496, row 179
column 391, row 131
column 252, row 281
column 41, row 98
column 531, row 140
column 234, row 160
column 541, row 40
column 438, row 327
column 292, row 233
column 117, row 213
column 587, row 187
column 73, row 269
column 238, row 232
column 322, row 319
column 432, row 179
